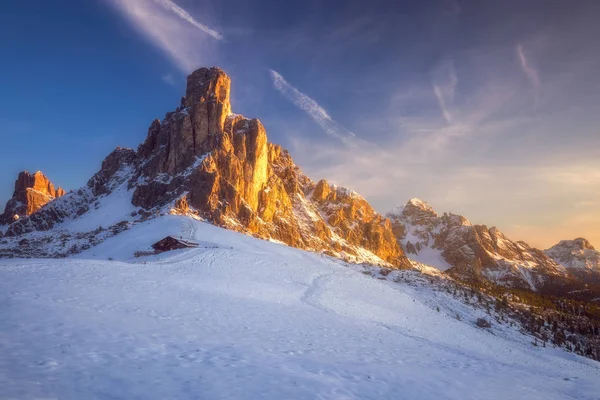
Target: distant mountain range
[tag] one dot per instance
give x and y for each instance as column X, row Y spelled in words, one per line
column 470, row 252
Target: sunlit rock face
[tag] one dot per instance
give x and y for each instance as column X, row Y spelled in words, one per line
column 32, row 192
column 205, row 161
column 471, row 252
column 202, row 158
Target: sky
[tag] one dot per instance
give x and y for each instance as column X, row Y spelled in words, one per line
column 485, row 109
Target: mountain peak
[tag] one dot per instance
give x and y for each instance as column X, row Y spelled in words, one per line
column 204, row 161
column 204, row 158
column 578, row 255
column 418, row 207
column 32, row 191
column 211, row 85
column 584, row 244
column 575, row 244
column 419, row 203
column 37, row 181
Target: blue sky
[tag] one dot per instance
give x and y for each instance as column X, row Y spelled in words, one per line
column 488, row 109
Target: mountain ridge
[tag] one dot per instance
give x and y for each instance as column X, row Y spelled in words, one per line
column 475, row 252
column 205, row 161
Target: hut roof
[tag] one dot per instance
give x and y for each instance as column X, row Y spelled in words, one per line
column 172, row 243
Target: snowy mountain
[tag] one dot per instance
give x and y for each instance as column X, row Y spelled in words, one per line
column 472, row 252
column 326, row 306
column 243, row 318
column 579, row 257
column 204, row 161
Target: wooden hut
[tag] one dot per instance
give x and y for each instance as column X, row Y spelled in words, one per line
column 171, row 243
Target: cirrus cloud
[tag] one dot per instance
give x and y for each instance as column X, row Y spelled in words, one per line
column 531, row 73
column 171, row 29
column 311, row 107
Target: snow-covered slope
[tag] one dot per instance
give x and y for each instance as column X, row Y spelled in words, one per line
column 247, row 319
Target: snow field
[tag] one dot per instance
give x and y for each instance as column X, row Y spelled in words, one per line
column 242, row 318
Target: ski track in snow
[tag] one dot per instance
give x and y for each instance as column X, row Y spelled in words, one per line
column 249, row 319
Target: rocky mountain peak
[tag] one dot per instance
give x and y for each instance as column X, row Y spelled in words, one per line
column 208, row 85
column 195, row 128
column 416, row 202
column 583, row 244
column 470, row 252
column 32, row 191
column 418, row 210
column 203, row 159
column 575, row 245
column 579, row 256
column 37, row 181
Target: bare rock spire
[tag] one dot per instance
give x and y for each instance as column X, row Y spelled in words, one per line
column 32, row 191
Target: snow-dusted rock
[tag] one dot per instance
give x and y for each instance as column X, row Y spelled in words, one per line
column 472, row 252
column 579, row 257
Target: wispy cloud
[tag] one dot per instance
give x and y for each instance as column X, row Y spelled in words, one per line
column 444, row 85
column 434, row 134
column 311, row 107
column 442, row 102
column 532, row 74
column 170, row 6
column 160, row 21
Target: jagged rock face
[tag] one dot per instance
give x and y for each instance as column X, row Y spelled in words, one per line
column 31, row 193
column 201, row 159
column 193, row 129
column 217, row 160
column 472, row 252
column 579, row 256
column 204, row 159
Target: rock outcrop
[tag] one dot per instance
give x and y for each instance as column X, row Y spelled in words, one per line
column 472, row 252
column 201, row 159
column 32, row 192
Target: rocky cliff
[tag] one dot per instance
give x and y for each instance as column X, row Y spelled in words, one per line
column 472, row 252
column 203, row 160
column 32, row 192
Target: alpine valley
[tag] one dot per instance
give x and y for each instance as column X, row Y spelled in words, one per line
column 203, row 168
